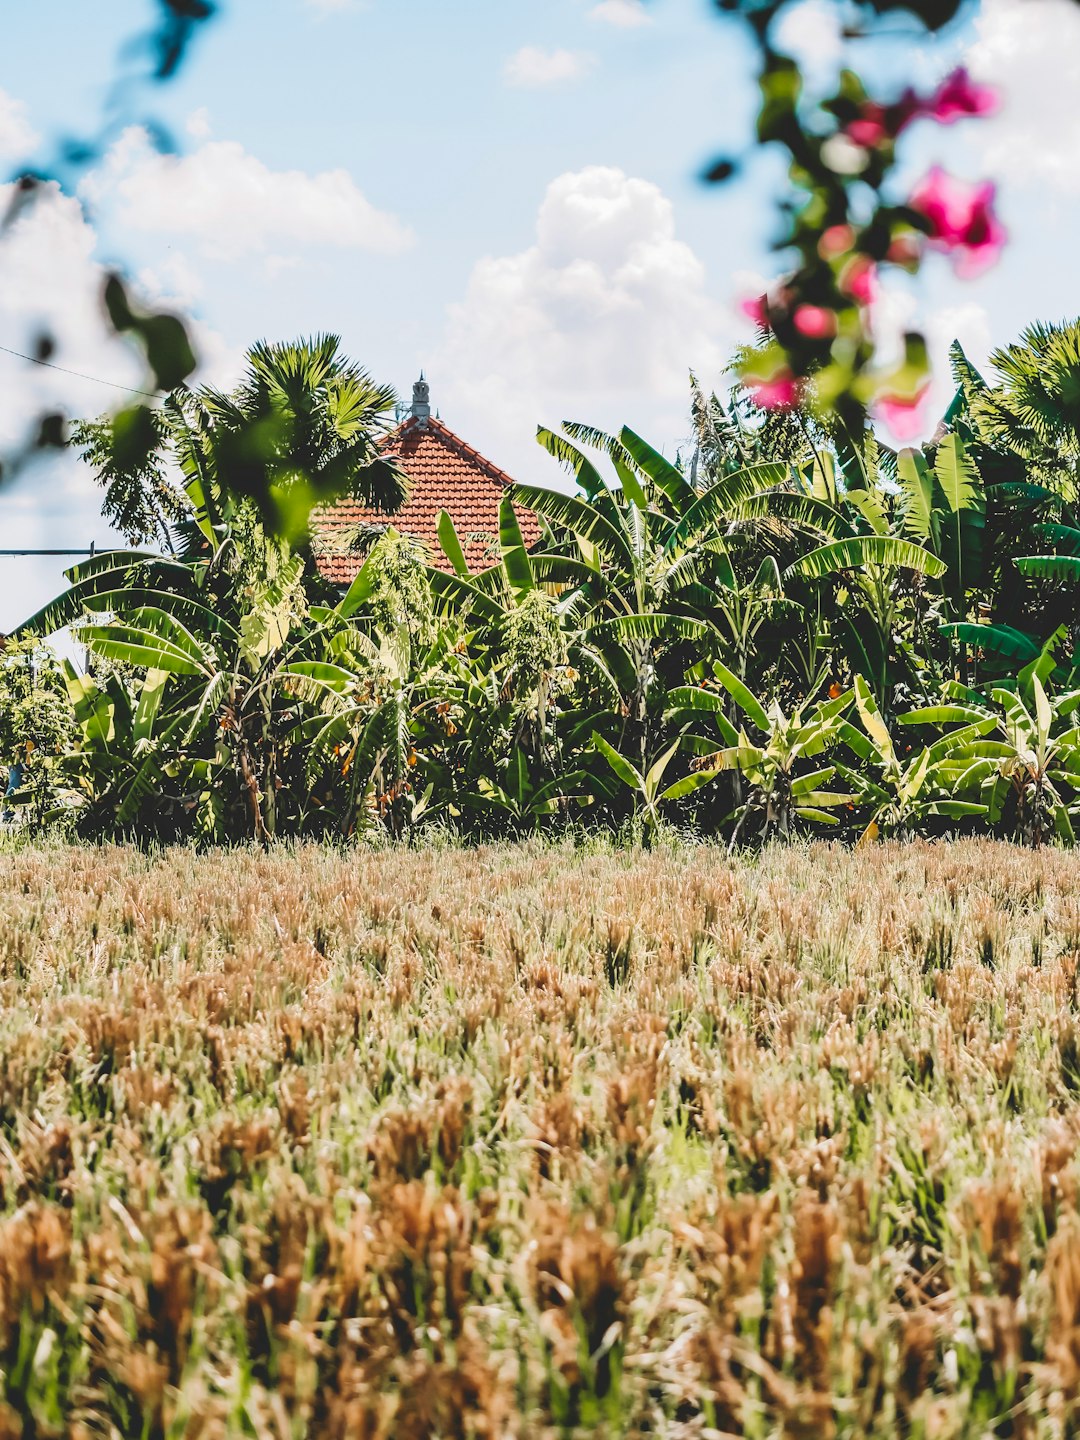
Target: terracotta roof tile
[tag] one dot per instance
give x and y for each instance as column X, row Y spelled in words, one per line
column 444, row 474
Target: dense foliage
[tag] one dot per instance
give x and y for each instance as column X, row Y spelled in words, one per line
column 745, row 645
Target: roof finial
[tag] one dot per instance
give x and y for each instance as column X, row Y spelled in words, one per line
column 421, row 402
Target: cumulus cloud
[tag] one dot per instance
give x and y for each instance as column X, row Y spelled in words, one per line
column 51, row 283
column 1031, row 50
column 599, row 319
column 623, row 14
column 18, row 138
column 535, row 69
column 231, row 204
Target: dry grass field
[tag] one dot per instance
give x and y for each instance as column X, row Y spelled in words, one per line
column 529, row 1141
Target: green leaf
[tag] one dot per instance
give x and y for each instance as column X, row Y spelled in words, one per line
column 1063, row 568
column 451, row 545
column 1064, row 538
column 863, row 550
column 957, row 476
column 333, row 677
column 716, row 505
column 130, row 645
column 668, row 478
column 1000, row 640
column 656, row 770
column 150, row 696
column 819, row 817
column 743, row 696
column 359, row 592
column 689, row 783
column 583, row 470
column 626, row 772
column 515, row 557
column 579, row 516
column 801, row 510
column 917, row 485
column 943, row 715
column 805, row 783
column 653, row 626
column 873, row 724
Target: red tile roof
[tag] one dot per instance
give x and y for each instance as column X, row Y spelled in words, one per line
column 444, row 474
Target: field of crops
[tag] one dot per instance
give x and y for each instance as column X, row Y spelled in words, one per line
column 533, row 1141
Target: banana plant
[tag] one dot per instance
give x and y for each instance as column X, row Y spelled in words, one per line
column 903, row 794
column 944, row 509
column 126, row 758
column 782, row 788
column 1027, row 769
column 643, row 783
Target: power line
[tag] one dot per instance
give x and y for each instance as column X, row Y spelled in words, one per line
column 79, row 375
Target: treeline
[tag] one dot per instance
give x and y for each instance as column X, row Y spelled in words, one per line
column 790, row 628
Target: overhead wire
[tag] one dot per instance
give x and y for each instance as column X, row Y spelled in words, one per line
column 80, row 375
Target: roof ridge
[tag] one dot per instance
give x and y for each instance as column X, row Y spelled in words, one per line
column 446, row 437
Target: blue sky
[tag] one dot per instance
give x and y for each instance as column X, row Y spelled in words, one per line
column 501, row 191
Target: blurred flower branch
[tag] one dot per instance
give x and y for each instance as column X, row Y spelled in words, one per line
column 844, row 225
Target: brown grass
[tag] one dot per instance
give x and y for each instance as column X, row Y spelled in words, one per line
column 529, row 1141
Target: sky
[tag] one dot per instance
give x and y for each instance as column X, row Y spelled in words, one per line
column 503, row 193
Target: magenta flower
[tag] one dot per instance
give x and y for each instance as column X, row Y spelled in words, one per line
column 815, row 322
column 756, row 308
column 871, row 127
column 779, row 391
column 858, row 279
column 958, row 96
column 962, row 220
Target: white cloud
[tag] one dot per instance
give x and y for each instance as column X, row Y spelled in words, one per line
column 174, row 282
column 51, row 283
column 18, row 138
column 623, row 14
column 1031, row 49
column 232, row 204
column 198, row 124
column 599, row 320
column 535, row 69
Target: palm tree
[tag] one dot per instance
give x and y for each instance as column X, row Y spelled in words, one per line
column 304, row 426
column 1033, row 414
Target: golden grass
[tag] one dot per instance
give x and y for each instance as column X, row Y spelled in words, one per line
column 528, row 1141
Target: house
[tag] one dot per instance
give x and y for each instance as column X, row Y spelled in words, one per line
column 444, row 473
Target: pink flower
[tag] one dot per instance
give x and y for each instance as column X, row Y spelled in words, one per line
column 905, row 415
column 859, row 280
column 962, row 220
column 779, row 391
column 871, row 127
column 837, row 240
column 959, row 96
column 956, row 98
column 756, row 308
column 815, row 322
column 875, row 124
